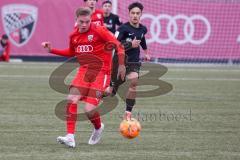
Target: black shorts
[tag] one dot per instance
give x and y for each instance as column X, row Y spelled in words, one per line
column 133, row 67
column 130, row 67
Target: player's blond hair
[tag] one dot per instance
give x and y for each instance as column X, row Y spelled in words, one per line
column 83, row 11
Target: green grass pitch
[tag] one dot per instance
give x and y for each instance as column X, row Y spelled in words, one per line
column 198, row 120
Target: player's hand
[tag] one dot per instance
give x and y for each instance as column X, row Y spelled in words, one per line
column 136, row 43
column 47, row 45
column 121, row 72
column 147, row 57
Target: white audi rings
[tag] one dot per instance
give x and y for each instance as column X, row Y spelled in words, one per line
column 172, row 29
column 84, row 48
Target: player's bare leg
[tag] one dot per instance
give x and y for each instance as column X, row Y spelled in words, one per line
column 71, row 118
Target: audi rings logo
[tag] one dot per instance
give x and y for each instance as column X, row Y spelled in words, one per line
column 84, row 48
column 172, row 29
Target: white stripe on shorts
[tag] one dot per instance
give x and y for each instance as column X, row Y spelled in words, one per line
column 105, row 80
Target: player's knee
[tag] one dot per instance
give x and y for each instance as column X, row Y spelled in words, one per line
column 73, row 98
column 133, row 85
column 90, row 108
column 74, row 95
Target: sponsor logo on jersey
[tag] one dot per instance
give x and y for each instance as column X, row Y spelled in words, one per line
column 84, row 49
column 99, row 16
column 90, row 38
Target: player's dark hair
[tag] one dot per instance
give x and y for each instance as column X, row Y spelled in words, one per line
column 83, row 11
column 4, row 36
column 87, row 0
column 105, row 2
column 135, row 4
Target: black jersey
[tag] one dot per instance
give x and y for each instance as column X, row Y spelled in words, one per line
column 126, row 33
column 111, row 22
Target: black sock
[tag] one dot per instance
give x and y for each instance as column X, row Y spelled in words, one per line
column 129, row 104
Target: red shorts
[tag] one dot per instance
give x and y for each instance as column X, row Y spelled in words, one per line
column 91, row 84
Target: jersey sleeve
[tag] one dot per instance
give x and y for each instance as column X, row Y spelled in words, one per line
column 143, row 43
column 118, row 22
column 143, row 40
column 119, row 34
column 63, row 52
column 145, row 30
column 110, row 38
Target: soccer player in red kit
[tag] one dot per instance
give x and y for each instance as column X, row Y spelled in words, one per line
column 87, row 43
column 97, row 14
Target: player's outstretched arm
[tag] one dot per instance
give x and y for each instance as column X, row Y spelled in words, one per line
column 64, row 52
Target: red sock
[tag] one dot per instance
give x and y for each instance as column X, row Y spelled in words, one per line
column 71, row 118
column 95, row 119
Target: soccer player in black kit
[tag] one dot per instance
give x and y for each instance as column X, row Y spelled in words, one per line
column 110, row 20
column 132, row 36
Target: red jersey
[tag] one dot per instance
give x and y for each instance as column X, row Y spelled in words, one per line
column 93, row 44
column 97, row 17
